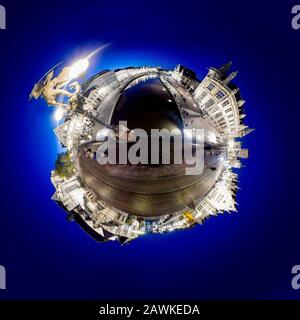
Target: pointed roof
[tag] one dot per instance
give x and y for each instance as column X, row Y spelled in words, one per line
column 221, row 72
column 225, row 68
column 55, row 197
column 61, row 132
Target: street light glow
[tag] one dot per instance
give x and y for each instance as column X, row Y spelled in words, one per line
column 231, row 143
column 78, row 68
column 59, row 114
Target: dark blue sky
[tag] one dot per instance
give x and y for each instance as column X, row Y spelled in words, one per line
column 248, row 254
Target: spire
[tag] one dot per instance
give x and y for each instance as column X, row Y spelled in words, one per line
column 225, row 68
column 234, row 91
column 244, row 131
column 230, row 77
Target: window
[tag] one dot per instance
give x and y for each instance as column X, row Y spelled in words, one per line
column 71, row 188
column 209, row 103
column 211, row 86
column 203, row 95
column 228, row 110
column 213, row 109
column 219, row 198
column 230, row 116
column 225, row 103
column 220, row 94
column 217, row 115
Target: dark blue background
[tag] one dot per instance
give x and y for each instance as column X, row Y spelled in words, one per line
column 248, row 254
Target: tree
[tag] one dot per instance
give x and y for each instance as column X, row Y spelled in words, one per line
column 64, row 166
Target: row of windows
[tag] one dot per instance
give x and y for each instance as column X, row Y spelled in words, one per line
column 224, row 122
column 220, row 94
column 209, row 106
